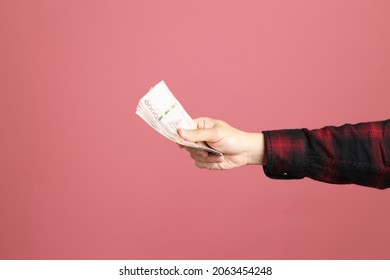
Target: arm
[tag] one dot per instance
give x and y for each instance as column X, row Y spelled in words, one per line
column 358, row 154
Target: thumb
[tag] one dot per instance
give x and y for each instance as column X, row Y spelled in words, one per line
column 196, row 135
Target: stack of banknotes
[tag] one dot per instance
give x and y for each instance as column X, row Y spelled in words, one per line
column 161, row 110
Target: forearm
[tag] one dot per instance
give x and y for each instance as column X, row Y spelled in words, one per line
column 358, row 154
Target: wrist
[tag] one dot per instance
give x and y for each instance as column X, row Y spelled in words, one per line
column 256, row 149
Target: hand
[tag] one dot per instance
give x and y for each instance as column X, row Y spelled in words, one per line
column 239, row 148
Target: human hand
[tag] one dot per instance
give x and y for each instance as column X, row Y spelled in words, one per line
column 239, row 148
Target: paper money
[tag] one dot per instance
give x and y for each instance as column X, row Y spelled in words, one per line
column 161, row 110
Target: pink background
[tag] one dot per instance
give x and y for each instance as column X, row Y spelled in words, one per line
column 81, row 176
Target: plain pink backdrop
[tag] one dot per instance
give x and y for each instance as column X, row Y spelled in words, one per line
column 83, row 177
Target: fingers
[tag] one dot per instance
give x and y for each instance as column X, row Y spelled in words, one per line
column 208, row 130
column 209, row 166
column 197, row 135
column 205, row 122
column 180, row 146
column 203, row 158
column 196, row 152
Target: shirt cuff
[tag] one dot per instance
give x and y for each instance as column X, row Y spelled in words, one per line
column 286, row 154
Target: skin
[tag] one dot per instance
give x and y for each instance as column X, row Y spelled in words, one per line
column 239, row 148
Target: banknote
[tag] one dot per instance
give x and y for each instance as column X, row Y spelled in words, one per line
column 162, row 111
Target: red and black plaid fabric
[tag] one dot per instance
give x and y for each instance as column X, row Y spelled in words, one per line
column 349, row 154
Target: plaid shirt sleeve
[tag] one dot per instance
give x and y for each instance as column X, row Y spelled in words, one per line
column 349, row 154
